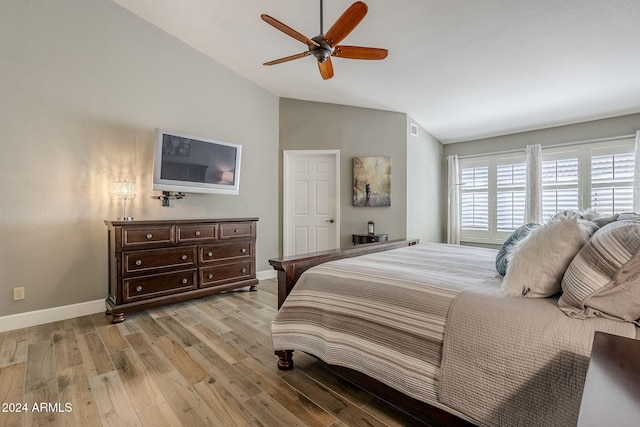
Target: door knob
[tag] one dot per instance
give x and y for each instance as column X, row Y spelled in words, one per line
column 331, row 220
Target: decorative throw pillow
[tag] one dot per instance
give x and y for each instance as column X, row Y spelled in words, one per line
column 538, row 262
column 602, row 221
column 591, row 215
column 519, row 234
column 629, row 216
column 604, row 278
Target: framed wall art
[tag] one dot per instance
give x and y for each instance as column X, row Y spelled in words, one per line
column 372, row 181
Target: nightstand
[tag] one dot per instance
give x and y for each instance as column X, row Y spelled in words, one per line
column 359, row 239
column 611, row 393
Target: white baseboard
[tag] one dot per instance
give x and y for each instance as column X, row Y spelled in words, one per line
column 48, row 315
column 266, row 274
column 55, row 314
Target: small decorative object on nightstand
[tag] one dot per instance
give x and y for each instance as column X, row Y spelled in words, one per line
column 369, row 238
column 370, row 226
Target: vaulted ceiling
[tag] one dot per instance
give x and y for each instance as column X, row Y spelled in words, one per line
column 462, row 69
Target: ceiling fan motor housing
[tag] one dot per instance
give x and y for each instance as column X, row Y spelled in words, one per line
column 321, row 52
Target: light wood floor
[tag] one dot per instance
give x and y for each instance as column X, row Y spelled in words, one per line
column 206, row 362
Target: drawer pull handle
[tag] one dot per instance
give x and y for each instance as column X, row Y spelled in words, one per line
column 236, row 230
column 183, row 257
column 138, row 262
column 149, row 236
column 209, row 253
column 244, row 270
column 198, row 233
column 243, row 250
column 138, row 288
column 184, row 281
column 210, row 276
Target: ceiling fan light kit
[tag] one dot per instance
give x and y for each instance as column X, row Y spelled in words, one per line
column 324, row 46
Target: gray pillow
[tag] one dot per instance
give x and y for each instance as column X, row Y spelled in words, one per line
column 519, row 234
column 603, row 280
column 601, row 222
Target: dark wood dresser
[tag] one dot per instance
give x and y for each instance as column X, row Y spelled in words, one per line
column 158, row 262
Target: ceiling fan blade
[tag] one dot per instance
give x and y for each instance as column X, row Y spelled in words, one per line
column 288, row 58
column 326, row 69
column 288, row 30
column 346, row 23
column 359, row 52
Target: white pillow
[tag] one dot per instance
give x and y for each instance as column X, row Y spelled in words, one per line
column 538, row 262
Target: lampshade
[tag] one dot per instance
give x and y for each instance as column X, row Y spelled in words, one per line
column 124, row 190
column 227, row 177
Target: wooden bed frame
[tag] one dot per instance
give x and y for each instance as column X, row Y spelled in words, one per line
column 291, row 267
column 289, row 270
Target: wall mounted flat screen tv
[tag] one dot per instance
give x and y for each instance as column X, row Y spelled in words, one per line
column 190, row 164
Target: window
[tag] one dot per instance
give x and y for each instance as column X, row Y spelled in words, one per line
column 596, row 176
column 559, row 182
column 475, row 198
column 612, row 182
column 492, row 197
column 493, row 193
column 510, row 198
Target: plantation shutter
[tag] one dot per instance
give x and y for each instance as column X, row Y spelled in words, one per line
column 612, row 183
column 475, row 198
column 510, row 196
column 559, row 184
column 597, row 176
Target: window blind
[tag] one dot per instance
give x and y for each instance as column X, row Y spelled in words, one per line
column 612, row 183
column 599, row 176
column 475, row 198
column 559, row 185
column 510, row 196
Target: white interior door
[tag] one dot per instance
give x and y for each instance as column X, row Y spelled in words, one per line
column 311, row 219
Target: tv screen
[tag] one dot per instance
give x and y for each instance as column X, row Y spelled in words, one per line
column 189, row 164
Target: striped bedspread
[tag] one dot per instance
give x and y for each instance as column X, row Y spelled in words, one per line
column 382, row 314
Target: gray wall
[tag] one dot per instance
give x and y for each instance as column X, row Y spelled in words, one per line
column 597, row 129
column 84, row 84
column 355, row 132
column 415, row 164
column 424, row 171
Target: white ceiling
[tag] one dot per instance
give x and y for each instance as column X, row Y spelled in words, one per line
column 463, row 69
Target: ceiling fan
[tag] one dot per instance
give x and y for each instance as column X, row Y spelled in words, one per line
column 324, row 46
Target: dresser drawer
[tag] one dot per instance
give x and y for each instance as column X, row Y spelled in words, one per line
column 233, row 230
column 147, row 236
column 226, row 251
column 191, row 233
column 226, row 273
column 158, row 259
column 159, row 284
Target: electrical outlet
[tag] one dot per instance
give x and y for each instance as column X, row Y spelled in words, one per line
column 18, row 293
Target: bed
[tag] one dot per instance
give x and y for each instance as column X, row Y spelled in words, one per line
column 432, row 322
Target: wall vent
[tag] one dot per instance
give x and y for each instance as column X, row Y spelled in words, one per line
column 413, row 129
